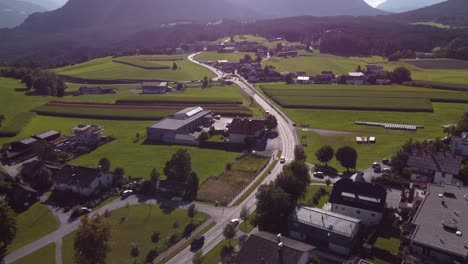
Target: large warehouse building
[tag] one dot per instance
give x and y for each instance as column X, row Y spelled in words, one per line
column 177, row 129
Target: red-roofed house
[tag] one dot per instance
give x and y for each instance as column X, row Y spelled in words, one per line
column 82, row 180
column 241, row 129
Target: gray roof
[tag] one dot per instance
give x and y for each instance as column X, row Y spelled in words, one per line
column 28, row 141
column 153, row 84
column 188, row 112
column 440, row 161
column 437, row 222
column 332, row 222
column 171, row 123
column 47, row 134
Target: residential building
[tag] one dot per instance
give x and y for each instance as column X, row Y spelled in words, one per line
column 228, row 50
column 243, row 128
column 178, row 128
column 333, row 231
column 460, row 145
column 361, row 200
column 264, row 247
column 88, row 134
column 96, row 90
column 82, row 180
column 355, row 78
column 437, row 232
column 179, row 51
column 328, row 74
column 155, row 87
column 23, row 144
column 383, row 81
column 375, row 68
column 23, row 195
column 303, row 79
column 48, row 135
column 434, row 167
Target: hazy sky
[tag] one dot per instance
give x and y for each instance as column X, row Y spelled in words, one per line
column 374, row 3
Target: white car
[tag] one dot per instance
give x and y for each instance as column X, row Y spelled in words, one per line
column 127, row 193
column 85, row 210
column 234, row 221
column 375, row 165
column 386, row 170
column 282, row 160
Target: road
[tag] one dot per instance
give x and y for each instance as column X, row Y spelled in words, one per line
column 289, row 140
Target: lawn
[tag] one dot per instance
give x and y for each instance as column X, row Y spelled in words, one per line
column 213, row 56
column 432, row 24
column 139, row 223
column 246, row 226
column 107, row 69
column 43, row 255
column 215, row 254
column 310, row 193
column 33, row 224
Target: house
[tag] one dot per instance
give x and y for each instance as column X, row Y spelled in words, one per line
column 48, row 135
column 287, row 54
column 375, row 68
column 303, row 79
column 265, row 248
column 437, row 231
column 355, row 78
column 361, row 200
column 434, row 167
column 228, row 50
column 23, row 144
column 179, row 51
column 23, row 196
column 460, row 145
column 243, row 128
column 177, row 129
column 383, row 81
column 328, row 74
column 20, row 150
column 96, row 90
column 88, row 134
column 338, row 233
column 82, row 180
column 155, row 88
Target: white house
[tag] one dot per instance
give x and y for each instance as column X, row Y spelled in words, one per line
column 88, row 134
column 82, row 180
column 355, row 78
column 243, row 128
column 438, row 167
column 361, row 200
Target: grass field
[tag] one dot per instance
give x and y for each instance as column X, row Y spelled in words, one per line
column 262, row 40
column 213, row 56
column 432, row 24
column 215, row 255
column 449, row 64
column 43, row 255
column 33, row 224
column 139, row 224
column 311, row 190
column 107, row 69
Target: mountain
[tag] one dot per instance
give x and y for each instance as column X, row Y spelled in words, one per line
column 398, row 6
column 14, row 12
column 288, row 8
column 451, row 12
column 48, row 4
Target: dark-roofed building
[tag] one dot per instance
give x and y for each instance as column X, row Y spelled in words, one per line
column 333, row 231
column 82, row 180
column 177, row 129
column 243, row 128
column 438, row 231
column 361, row 200
column 48, row 135
column 375, row 68
column 273, row 249
column 23, row 144
column 155, row 87
column 434, row 167
column 460, row 145
column 23, row 195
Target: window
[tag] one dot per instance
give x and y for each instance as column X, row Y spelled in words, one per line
column 358, row 212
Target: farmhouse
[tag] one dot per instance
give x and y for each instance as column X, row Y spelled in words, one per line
column 303, row 79
column 177, row 129
column 228, row 50
column 155, row 87
column 460, row 145
column 437, row 232
column 362, row 200
column 88, row 134
column 96, row 90
column 264, row 247
column 336, row 232
column 355, row 78
column 243, row 128
column 375, row 69
column 438, row 167
column 82, row 180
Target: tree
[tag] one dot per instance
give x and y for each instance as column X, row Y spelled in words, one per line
column 192, row 211
column 2, row 118
column 198, row 257
column 271, row 122
column 273, row 208
column 401, row 74
column 462, row 125
column 229, row 232
column 290, row 184
column 359, row 69
column 299, row 170
column 325, row 154
column 154, row 178
column 347, row 156
column 204, row 136
column 44, row 179
column 192, row 186
column 244, row 215
column 179, row 166
column 313, row 259
column 135, row 251
column 289, row 78
column 205, row 82
column 7, row 225
column 299, row 153
column 92, row 240
column 105, row 164
column 174, row 66
column 258, row 58
column 119, row 174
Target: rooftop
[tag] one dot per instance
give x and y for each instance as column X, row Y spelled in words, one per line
column 181, row 118
column 357, row 194
column 332, row 222
column 78, row 176
column 264, row 247
column 154, row 84
column 246, row 126
column 443, row 212
column 47, row 134
column 440, row 161
column 27, row 141
column 356, row 74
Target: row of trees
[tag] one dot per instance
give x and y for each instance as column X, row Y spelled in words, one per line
column 347, row 156
column 42, row 81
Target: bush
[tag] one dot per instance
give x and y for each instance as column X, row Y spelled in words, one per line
column 315, row 200
column 152, row 254
column 328, row 182
column 155, row 237
column 76, row 211
column 228, row 166
column 135, row 252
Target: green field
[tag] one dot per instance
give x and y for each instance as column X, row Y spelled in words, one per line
column 310, row 193
column 43, row 255
column 33, row 224
column 432, row 24
column 139, row 223
column 215, row 255
column 262, row 40
column 213, row 56
column 107, row 69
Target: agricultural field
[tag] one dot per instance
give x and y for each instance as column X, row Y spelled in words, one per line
column 448, row 64
column 431, row 24
column 232, row 57
column 135, row 225
column 346, row 97
column 43, row 255
column 262, row 40
column 149, row 67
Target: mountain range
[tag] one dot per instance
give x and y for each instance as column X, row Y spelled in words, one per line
column 398, row 6
column 450, row 12
column 14, row 12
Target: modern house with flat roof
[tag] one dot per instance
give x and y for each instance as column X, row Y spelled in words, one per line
column 434, row 167
column 325, row 229
column 361, row 200
column 437, row 233
column 178, row 128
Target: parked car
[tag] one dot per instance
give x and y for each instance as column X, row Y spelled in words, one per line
column 282, row 160
column 375, row 165
column 197, row 243
column 318, row 174
column 386, row 170
column 126, row 193
column 378, row 169
column 234, row 221
column 386, row 161
column 217, row 117
column 85, row 210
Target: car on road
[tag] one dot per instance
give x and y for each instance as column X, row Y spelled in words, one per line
column 282, row 160
column 386, row 170
column 318, row 174
column 197, row 243
column 126, row 193
column 377, row 169
column 234, row 222
column 375, row 165
column 217, row 117
column 85, row 210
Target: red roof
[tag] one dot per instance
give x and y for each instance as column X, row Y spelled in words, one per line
column 246, row 126
column 77, row 176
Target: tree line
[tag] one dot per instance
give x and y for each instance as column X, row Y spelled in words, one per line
column 43, row 82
